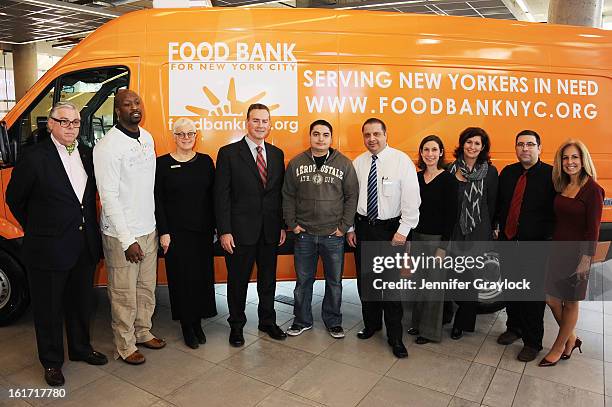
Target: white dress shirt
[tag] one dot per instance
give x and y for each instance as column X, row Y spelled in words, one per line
column 397, row 187
column 73, row 166
column 253, row 149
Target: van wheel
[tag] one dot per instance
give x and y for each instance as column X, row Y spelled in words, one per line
column 14, row 294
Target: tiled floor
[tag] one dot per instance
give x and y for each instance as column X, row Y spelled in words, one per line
column 315, row 369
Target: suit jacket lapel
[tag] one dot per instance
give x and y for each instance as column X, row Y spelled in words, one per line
column 271, row 164
column 57, row 167
column 247, row 156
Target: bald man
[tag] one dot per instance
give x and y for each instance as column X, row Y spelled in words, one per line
column 124, row 163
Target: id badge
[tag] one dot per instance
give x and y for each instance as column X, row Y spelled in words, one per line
column 388, row 186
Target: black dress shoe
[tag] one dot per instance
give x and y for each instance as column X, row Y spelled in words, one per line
column 236, row 339
column 54, row 376
column 189, row 336
column 413, row 331
column 367, row 333
column 273, row 331
column 508, row 338
column 456, row 333
column 399, row 350
column 199, row 333
column 527, row 354
column 92, row 358
column 421, row 340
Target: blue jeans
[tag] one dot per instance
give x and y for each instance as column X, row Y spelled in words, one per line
column 307, row 250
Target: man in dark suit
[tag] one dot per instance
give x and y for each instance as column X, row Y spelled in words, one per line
column 248, row 208
column 525, row 214
column 52, row 193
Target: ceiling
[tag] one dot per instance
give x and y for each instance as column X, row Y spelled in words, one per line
column 27, row 21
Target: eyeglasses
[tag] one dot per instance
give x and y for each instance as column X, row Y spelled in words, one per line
column 76, row 123
column 529, row 144
column 188, row 135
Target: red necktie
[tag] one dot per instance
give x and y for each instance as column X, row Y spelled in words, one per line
column 515, row 207
column 261, row 166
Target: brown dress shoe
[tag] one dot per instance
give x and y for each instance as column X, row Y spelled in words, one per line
column 135, row 358
column 154, row 343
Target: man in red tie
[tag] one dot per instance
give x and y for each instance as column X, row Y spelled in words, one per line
column 525, row 214
column 248, row 184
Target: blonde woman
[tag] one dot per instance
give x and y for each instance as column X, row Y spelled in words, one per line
column 578, row 207
column 185, row 221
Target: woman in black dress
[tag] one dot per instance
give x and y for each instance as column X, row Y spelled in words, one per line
column 438, row 212
column 477, row 194
column 185, row 223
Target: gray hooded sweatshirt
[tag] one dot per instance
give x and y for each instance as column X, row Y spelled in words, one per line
column 320, row 200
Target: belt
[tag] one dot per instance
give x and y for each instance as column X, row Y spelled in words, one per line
column 376, row 222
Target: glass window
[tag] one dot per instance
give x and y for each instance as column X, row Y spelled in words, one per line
column 7, row 83
column 93, row 92
column 32, row 127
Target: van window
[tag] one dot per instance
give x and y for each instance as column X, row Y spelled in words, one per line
column 32, row 127
column 93, row 92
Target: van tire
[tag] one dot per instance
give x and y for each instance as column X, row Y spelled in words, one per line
column 14, row 292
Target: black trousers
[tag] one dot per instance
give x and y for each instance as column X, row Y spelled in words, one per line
column 59, row 295
column 239, row 270
column 465, row 316
column 372, row 311
column 526, row 319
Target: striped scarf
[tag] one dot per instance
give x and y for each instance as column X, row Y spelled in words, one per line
column 473, row 194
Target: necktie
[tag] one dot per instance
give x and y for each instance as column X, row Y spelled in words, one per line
column 261, row 166
column 515, row 207
column 70, row 148
column 372, row 191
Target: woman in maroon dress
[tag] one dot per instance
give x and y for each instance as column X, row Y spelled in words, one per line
column 578, row 207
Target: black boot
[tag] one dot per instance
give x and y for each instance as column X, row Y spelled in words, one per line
column 189, row 336
column 199, row 333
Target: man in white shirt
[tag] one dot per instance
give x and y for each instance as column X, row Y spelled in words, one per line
column 388, row 208
column 124, row 162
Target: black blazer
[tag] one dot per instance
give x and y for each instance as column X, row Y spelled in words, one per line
column 243, row 207
column 42, row 199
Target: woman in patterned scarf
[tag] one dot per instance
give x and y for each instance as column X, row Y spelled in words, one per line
column 477, row 189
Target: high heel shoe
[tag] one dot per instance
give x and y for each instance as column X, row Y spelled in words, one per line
column 547, row 363
column 577, row 344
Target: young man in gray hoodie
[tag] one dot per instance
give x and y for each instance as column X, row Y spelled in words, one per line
column 320, row 194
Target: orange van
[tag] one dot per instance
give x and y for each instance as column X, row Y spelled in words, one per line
column 421, row 74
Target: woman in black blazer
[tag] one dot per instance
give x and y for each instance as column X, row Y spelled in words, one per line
column 185, row 222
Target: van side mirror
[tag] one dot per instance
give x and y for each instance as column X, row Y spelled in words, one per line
column 7, row 151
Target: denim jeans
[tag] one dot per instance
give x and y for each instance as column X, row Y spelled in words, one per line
column 307, row 250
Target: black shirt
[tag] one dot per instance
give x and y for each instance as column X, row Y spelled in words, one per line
column 438, row 210
column 536, row 218
column 319, row 161
column 184, row 194
column 133, row 134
